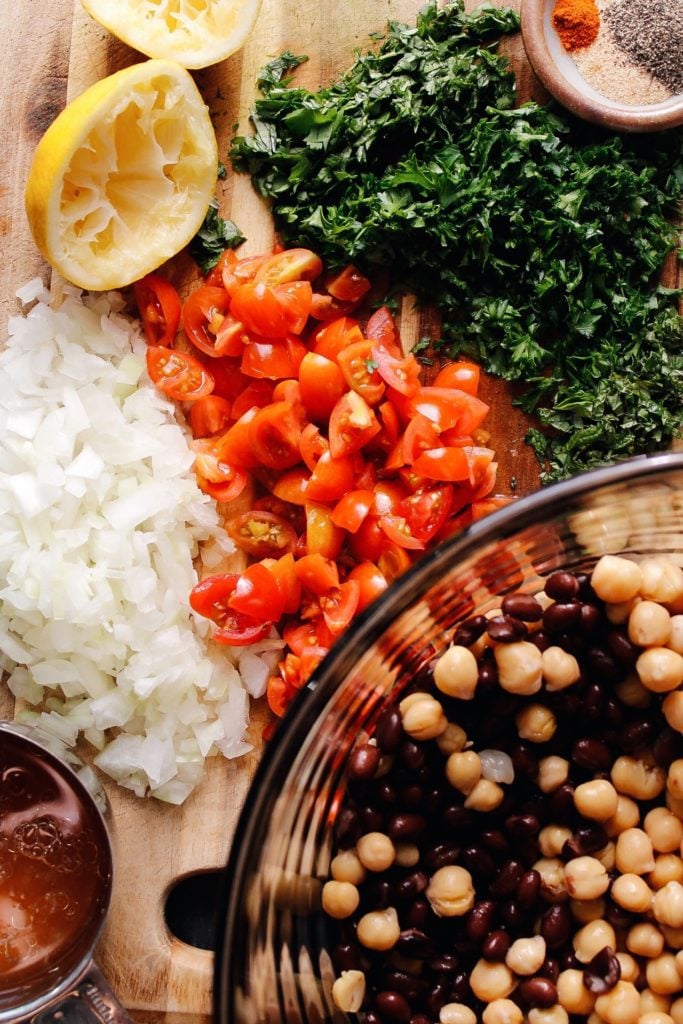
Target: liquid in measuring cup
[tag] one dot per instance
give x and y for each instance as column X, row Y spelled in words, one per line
column 55, row 872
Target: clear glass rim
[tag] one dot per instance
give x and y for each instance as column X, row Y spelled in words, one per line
column 278, row 755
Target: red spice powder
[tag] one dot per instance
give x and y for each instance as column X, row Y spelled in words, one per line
column 577, row 22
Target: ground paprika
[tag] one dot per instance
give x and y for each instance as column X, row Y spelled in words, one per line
column 577, row 22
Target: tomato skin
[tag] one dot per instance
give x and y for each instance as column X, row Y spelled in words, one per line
column 339, row 605
column 256, row 305
column 371, row 581
column 262, row 534
column 448, row 464
column 322, row 536
column 450, row 408
column 352, row 424
column 202, row 315
column 295, row 299
column 382, row 327
column 312, row 445
column 355, row 362
column 293, row 514
column 180, row 376
column 322, row 385
column 401, row 374
column 369, row 540
column 209, row 597
column 235, row 444
column 274, row 435
column 352, row 508
column 257, row 594
column 215, row 474
column 257, row 393
column 289, row 265
column 210, row 415
column 277, row 695
column 226, row 490
column 317, row 573
column 388, row 495
column 237, row 272
column 348, row 285
column 159, row 307
column 284, row 574
column 241, row 631
column 272, row 358
column 293, row 486
column 334, row 337
column 426, row 510
column 331, row 478
column 393, row 561
column 398, row 532
column 461, row 374
column 307, row 636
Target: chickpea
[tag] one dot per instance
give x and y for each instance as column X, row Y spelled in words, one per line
column 645, row 940
column 674, row 780
column 379, row 929
column 536, row 723
column 413, row 698
column 552, row 838
column 632, row 893
column 607, row 856
column 573, row 995
column 639, row 777
column 619, row 612
column 587, row 910
column 552, row 1015
column 560, row 669
column 649, row 624
column 596, row 799
column 502, row 1011
column 673, row 937
column 621, row 1005
column 668, row 868
column 450, row 891
column 664, row 829
column 676, row 1011
column 407, row 855
column 346, row 867
column 586, row 878
column 593, row 937
column 627, row 815
column 616, row 579
column 463, row 770
column 553, row 772
column 452, row 740
column 630, row 969
column 672, row 707
column 348, row 991
column 553, row 881
column 676, row 638
column 655, row 1018
column 525, row 956
column 662, row 580
column 653, row 1002
column 456, row 673
column 375, row 851
column 423, row 719
column 485, row 796
column 631, row 692
column 634, row 852
column 662, row 974
column 340, row 899
column 675, row 804
column 660, row 669
column 667, row 905
column 490, row 981
column 679, row 963
column 520, row 667
column 457, row 1013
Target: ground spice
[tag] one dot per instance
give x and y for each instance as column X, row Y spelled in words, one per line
column 577, row 22
column 650, row 32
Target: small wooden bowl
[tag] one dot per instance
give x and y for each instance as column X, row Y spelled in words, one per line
column 563, row 80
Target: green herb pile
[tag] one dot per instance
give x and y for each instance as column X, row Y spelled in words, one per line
column 539, row 239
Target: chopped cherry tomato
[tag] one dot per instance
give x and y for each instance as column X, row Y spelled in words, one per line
column 241, row 271
column 295, row 299
column 228, row 489
column 322, row 385
column 159, row 307
column 331, row 477
column 203, row 314
column 326, row 307
column 393, row 561
column 177, row 374
column 322, row 536
column 307, row 636
column 216, row 476
column 283, row 571
column 274, row 359
column 334, row 337
column 210, row 596
column 290, row 265
column 369, row 540
column 312, row 445
column 462, row 375
column 293, row 486
column 257, row 393
column 317, row 573
column 227, row 260
column 382, row 327
column 426, row 511
column 210, row 415
column 257, row 594
column 277, row 695
column 357, row 364
column 352, row 424
column 450, row 408
column 400, row 374
column 372, row 583
column 398, row 532
column 443, row 464
column 256, row 305
column 351, row 510
column 348, row 285
column 388, row 495
column 292, row 513
column 228, row 379
column 390, row 423
column 339, row 605
column 420, row 436
column 262, row 534
column 235, row 443
column 274, row 436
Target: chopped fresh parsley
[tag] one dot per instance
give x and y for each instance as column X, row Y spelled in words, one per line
column 538, row 237
column 213, row 238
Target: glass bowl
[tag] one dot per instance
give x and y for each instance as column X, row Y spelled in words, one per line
column 273, row 961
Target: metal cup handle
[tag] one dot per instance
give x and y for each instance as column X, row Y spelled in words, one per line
column 90, row 1001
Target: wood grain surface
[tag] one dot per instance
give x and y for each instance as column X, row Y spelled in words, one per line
column 50, row 50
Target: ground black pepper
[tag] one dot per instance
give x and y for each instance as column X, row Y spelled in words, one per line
column 650, row 32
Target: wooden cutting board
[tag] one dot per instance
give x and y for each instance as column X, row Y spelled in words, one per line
column 50, row 50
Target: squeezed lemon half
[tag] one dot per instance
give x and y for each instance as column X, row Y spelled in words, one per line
column 122, row 179
column 195, row 33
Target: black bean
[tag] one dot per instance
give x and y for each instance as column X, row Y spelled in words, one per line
column 436, row 998
column 592, row 754
column 389, row 730
column 413, row 942
column 523, row 760
column 541, row 639
column 412, row 885
column 522, row 606
column 562, row 618
column 469, row 631
column 512, row 915
column 556, row 925
column 487, row 678
column 445, row 963
column 636, row 735
column 479, row 920
column 528, row 888
column 537, row 992
column 364, row 761
column 440, row 855
column 506, row 630
column 417, row 914
column 419, row 1018
column 373, row 1018
column 348, row 827
column 521, row 826
column 495, row 840
column 379, row 893
column 668, row 746
column 393, row 1006
column 603, row 666
column 590, row 620
column 562, row 804
column 602, row 972
column 623, row 649
column 405, row 828
column 460, row 990
column 478, row 861
column 585, row 840
column 495, row 945
column 385, row 792
column 412, row 754
column 507, row 879
column 550, row 968
column 413, row 796
column 372, row 819
column 561, row 586
column 617, row 916
column 400, row 981
column 346, row 957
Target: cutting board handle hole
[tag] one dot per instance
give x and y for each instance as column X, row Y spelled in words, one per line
column 191, row 908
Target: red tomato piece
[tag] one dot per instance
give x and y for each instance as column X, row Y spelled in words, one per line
column 288, row 583
column 369, row 540
column 322, row 385
column 357, row 364
column 210, row 596
column 426, row 511
column 390, row 423
column 228, row 379
column 348, row 285
column 312, row 445
column 339, row 605
column 293, row 486
column 450, row 408
column 274, row 436
column 402, row 375
column 257, row 594
column 210, row 415
column 235, row 444
column 461, row 374
column 177, row 374
column 159, row 307
column 352, row 424
column 237, row 272
column 322, row 536
column 382, row 327
column 316, row 573
column 351, row 510
column 277, row 695
column 393, row 561
column 331, row 477
column 295, row 299
column 262, row 534
column 449, row 464
column 292, row 513
column 226, row 491
column 273, row 359
column 226, row 262
column 307, row 636
column 256, row 305
column 371, row 581
column 398, row 532
column 334, row 337
column 212, row 469
column 290, row 265
column 257, row 393
column 388, row 495
column 326, row 307
column 203, row 314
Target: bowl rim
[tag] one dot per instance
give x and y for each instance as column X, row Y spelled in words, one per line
column 295, row 726
column 607, row 113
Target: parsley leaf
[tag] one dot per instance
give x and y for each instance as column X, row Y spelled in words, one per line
column 213, row 238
